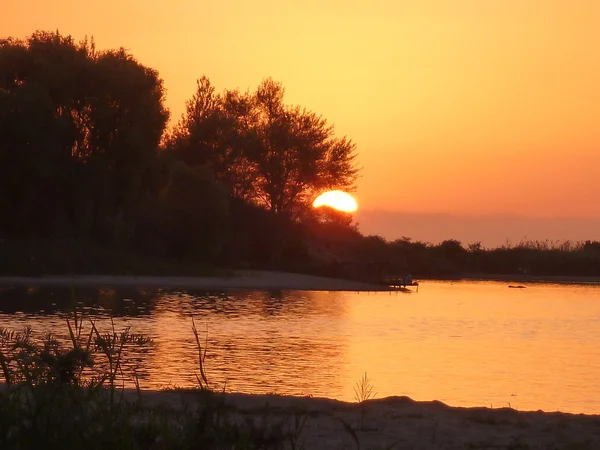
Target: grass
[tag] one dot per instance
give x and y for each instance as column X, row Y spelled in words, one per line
column 201, row 378
column 70, row 395
column 363, row 391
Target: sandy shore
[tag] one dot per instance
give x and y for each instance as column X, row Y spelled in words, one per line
column 241, row 280
column 410, row 424
column 261, row 280
column 396, row 422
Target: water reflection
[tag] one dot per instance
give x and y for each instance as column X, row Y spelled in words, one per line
column 39, row 301
column 258, row 341
column 465, row 343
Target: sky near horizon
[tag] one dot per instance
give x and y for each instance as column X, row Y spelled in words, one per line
column 468, row 108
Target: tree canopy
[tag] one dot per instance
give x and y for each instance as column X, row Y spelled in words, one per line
column 78, row 129
column 84, row 157
column 87, row 173
column 270, row 153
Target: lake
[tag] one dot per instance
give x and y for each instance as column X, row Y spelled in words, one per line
column 464, row 343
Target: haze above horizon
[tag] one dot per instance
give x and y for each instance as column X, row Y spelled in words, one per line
column 464, row 108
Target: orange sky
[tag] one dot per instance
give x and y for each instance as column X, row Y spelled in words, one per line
column 465, row 107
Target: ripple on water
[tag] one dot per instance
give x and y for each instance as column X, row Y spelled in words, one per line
column 464, row 343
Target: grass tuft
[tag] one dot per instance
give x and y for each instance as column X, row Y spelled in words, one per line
column 363, row 390
column 70, row 394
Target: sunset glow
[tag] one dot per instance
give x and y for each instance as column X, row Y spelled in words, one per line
column 339, row 200
column 195, row 169
column 471, row 108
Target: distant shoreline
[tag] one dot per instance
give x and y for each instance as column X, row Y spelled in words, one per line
column 240, row 280
column 520, row 278
column 268, row 280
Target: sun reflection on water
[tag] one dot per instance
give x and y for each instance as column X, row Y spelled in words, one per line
column 465, row 343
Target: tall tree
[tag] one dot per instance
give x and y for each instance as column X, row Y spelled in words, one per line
column 193, row 213
column 208, row 134
column 78, row 128
column 39, row 95
column 128, row 119
column 296, row 153
column 276, row 155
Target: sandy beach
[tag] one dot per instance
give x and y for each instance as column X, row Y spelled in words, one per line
column 240, row 280
column 409, row 424
column 392, row 422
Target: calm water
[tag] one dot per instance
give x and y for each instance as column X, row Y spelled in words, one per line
column 464, row 343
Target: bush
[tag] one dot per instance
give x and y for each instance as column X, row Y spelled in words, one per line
column 70, row 396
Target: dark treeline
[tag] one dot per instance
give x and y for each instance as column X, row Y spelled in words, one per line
column 452, row 259
column 88, row 168
column 91, row 180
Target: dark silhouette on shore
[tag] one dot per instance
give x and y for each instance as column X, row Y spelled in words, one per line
column 91, row 180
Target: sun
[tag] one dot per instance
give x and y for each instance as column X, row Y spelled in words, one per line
column 342, row 201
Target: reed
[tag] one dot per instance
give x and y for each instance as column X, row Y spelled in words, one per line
column 70, row 395
column 363, row 390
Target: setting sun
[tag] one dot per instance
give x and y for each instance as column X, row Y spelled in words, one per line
column 342, row 201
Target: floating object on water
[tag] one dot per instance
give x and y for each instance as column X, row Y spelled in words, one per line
column 403, row 286
column 519, row 286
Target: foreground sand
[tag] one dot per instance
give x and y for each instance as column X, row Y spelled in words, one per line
column 395, row 422
column 410, row 424
column 241, row 280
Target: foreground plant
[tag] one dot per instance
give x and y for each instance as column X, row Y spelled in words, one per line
column 363, row 391
column 62, row 394
column 201, row 378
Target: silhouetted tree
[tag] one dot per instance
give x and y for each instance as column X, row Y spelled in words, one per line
column 272, row 154
column 78, row 131
column 194, row 212
column 450, row 248
column 37, row 100
column 327, row 214
column 208, row 134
